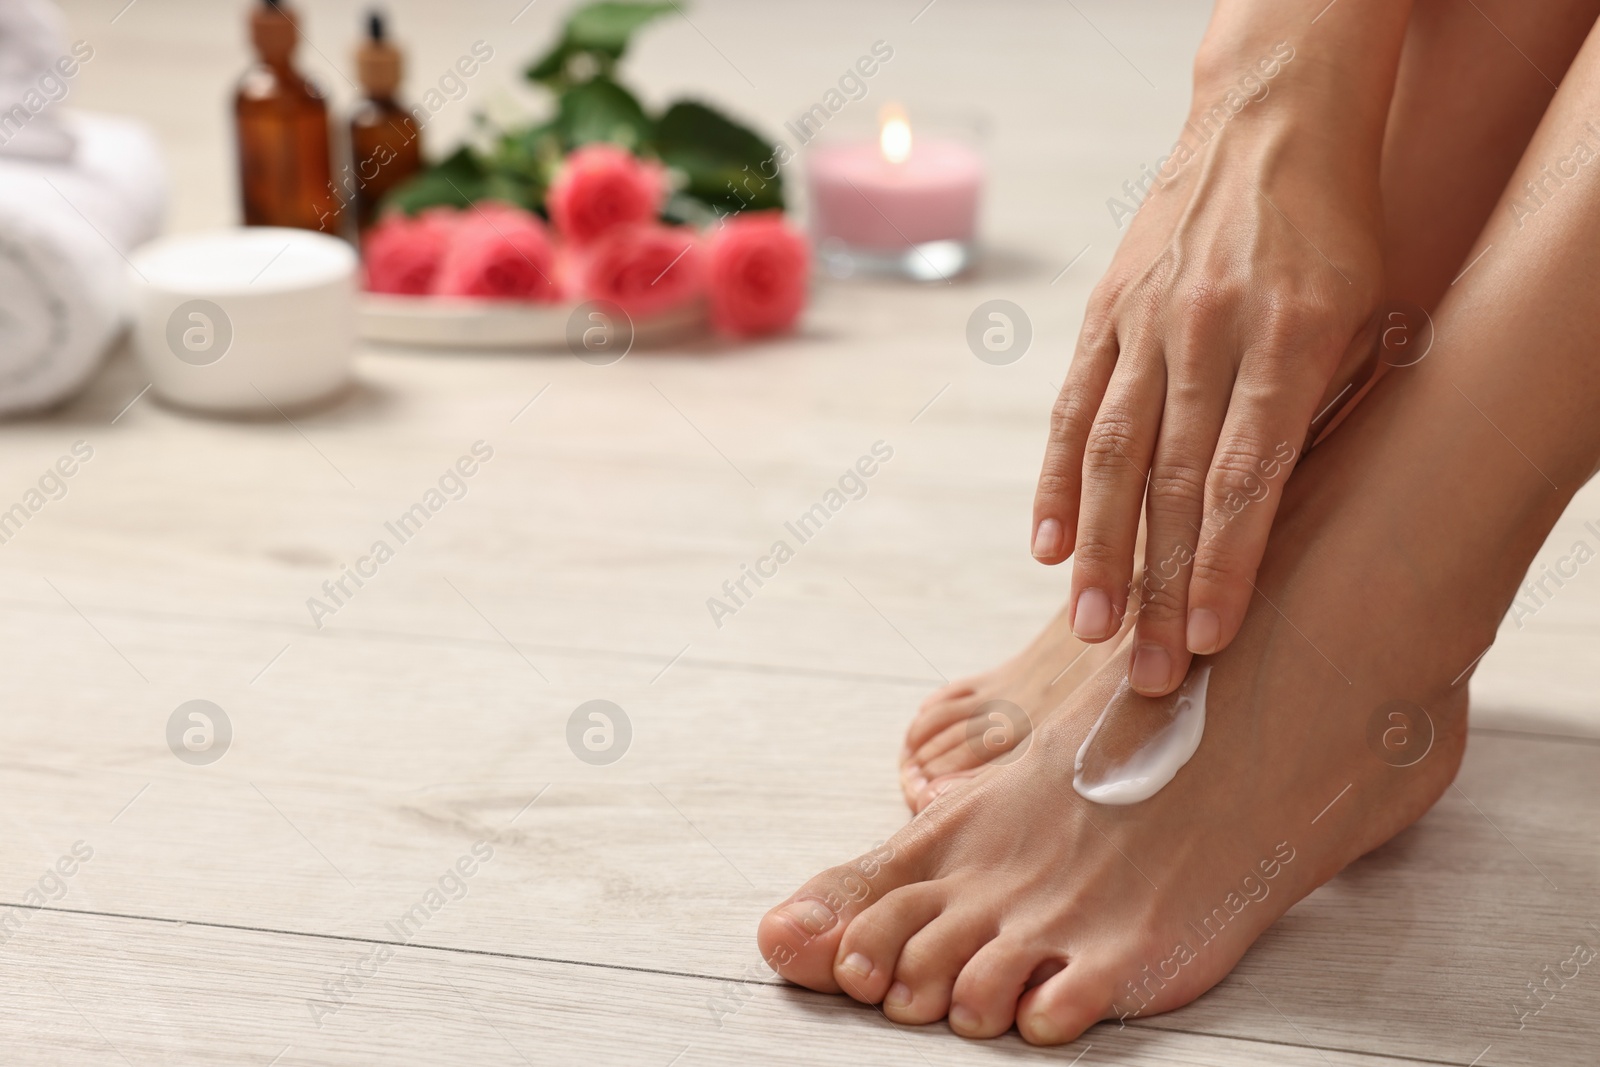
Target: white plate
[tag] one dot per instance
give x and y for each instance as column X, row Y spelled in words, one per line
column 454, row 322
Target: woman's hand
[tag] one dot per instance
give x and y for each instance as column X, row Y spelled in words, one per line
column 1241, row 302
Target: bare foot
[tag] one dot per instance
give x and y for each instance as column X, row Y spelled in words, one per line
column 1016, row 900
column 963, row 727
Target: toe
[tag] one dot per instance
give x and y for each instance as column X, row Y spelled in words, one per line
column 947, row 750
column 987, row 737
column 984, row 1001
column 794, row 937
column 1064, row 1007
column 932, row 790
column 952, row 749
column 989, row 732
column 928, row 966
column 961, row 687
column 871, row 944
column 800, row 937
column 913, row 783
column 941, row 754
column 951, row 704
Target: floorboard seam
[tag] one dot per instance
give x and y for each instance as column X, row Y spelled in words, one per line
column 1149, row 1028
column 1531, row 735
column 397, row 637
column 656, row 971
column 357, row 939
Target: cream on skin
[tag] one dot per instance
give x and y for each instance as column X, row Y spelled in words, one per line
column 1138, row 743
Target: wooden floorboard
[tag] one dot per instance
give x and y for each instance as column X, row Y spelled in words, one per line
column 615, row 921
column 92, row 990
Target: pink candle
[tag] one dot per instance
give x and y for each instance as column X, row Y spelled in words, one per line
column 893, row 195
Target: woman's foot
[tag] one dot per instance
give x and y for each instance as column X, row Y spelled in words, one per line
column 973, row 722
column 1016, row 900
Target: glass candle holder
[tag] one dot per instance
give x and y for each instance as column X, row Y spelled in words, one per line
column 895, row 205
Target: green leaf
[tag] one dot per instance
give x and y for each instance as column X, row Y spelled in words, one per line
column 713, row 151
column 513, row 189
column 600, row 33
column 607, row 26
column 551, row 68
column 526, row 159
column 602, row 110
column 456, row 181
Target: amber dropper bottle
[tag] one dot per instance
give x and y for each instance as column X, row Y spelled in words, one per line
column 282, row 126
column 385, row 144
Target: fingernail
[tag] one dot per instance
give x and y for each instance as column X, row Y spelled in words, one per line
column 1047, row 540
column 1091, row 621
column 899, row 996
column 1152, row 669
column 858, row 965
column 1204, row 631
column 963, row 1017
column 810, row 916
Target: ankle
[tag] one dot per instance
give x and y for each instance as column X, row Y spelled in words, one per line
column 1469, row 507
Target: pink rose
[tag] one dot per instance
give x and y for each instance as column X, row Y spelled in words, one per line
column 402, row 254
column 643, row 269
column 498, row 252
column 601, row 188
column 756, row 269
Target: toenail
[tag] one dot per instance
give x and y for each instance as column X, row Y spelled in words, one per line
column 858, row 965
column 1091, row 620
column 964, row 1018
column 1204, row 631
column 899, row 996
column 812, row 918
column 1042, row 1030
column 1152, row 669
column 1047, row 540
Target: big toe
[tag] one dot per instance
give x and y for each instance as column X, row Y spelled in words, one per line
column 800, row 937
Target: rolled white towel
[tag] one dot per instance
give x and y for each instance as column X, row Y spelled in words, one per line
column 119, row 165
column 33, row 40
column 65, row 232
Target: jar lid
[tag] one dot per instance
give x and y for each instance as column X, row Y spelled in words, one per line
column 254, row 259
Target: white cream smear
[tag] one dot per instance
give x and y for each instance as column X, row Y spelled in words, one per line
column 1176, row 732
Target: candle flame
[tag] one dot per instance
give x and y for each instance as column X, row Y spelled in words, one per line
column 894, row 138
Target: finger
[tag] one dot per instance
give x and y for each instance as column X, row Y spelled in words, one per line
column 1055, row 502
column 1258, row 447
column 1116, row 460
column 1196, row 406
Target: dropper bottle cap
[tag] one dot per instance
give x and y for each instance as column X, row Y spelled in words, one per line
column 273, row 31
column 378, row 61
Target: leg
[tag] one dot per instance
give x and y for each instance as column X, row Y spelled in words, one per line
column 1466, row 103
column 1014, row 899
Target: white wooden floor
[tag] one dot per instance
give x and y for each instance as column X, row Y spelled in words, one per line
column 614, row 922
